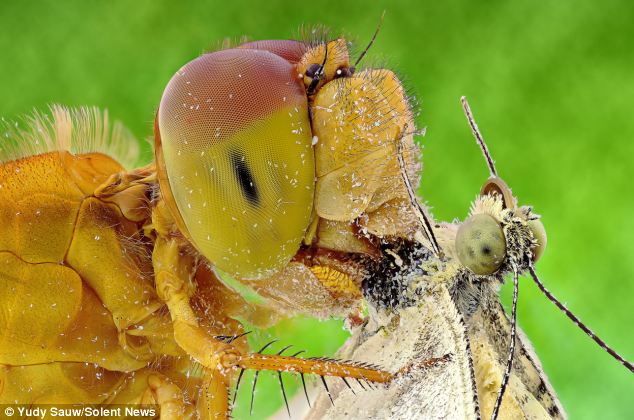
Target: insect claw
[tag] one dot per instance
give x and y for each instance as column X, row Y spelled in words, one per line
column 348, row 385
column 279, row 376
column 235, row 337
column 427, row 363
column 323, row 380
column 279, row 353
column 255, row 381
column 305, row 390
column 235, row 393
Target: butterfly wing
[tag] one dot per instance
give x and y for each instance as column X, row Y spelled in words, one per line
column 529, row 393
column 431, row 329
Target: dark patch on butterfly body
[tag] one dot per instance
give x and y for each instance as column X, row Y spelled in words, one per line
column 387, row 283
column 245, row 178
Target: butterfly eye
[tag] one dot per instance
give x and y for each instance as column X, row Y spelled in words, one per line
column 537, row 227
column 481, row 244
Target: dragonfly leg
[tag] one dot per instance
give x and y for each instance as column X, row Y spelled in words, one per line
column 148, row 389
column 169, row 397
column 173, row 271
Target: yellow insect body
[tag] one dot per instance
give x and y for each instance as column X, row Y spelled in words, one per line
column 107, row 291
column 358, row 123
column 59, row 305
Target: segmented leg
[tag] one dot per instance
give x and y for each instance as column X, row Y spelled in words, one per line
column 214, row 398
column 169, row 397
column 148, row 389
column 173, row 271
column 316, row 366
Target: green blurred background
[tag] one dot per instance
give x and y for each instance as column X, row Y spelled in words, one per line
column 552, row 87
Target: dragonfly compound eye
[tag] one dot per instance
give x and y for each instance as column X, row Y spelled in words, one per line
column 481, row 244
column 235, row 159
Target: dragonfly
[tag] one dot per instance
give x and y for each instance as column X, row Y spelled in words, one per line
column 275, row 168
column 278, row 165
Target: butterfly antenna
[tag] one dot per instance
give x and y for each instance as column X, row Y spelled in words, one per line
column 478, row 137
column 577, row 321
column 376, row 32
column 509, row 360
column 418, row 209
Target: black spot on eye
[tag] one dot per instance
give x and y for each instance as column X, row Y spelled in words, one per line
column 486, row 250
column 312, row 70
column 245, row 179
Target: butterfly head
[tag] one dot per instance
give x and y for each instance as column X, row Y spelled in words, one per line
column 498, row 233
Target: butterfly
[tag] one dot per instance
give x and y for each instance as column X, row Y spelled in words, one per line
column 441, row 297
